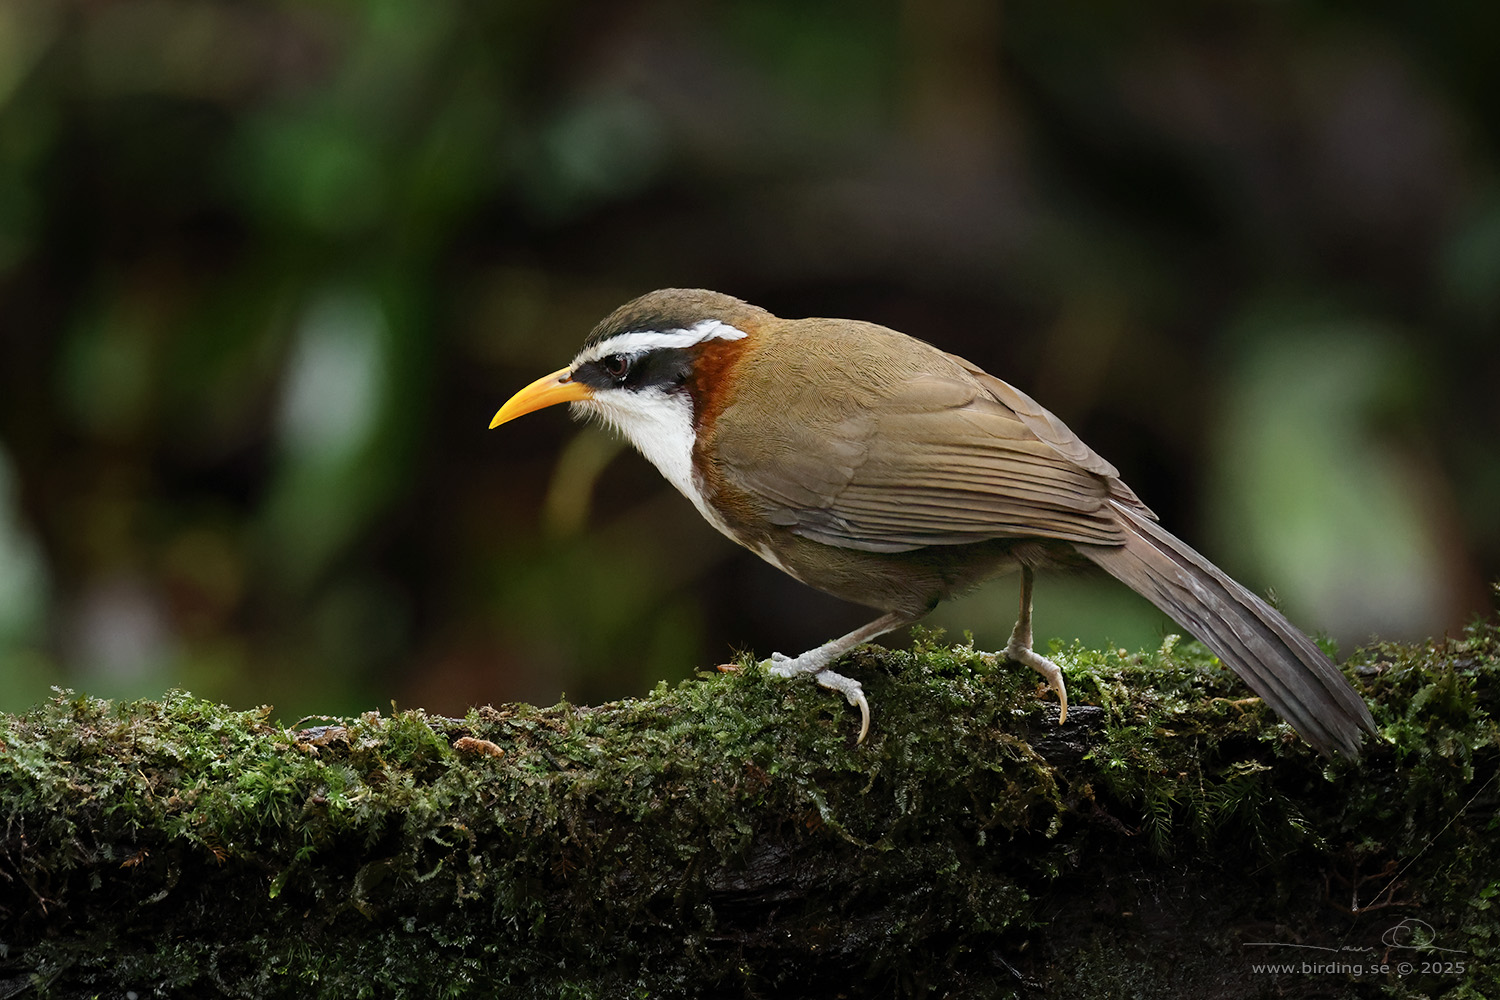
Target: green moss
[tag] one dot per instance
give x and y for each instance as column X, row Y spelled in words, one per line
column 727, row 834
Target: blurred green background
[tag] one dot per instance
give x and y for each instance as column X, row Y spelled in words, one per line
column 268, row 269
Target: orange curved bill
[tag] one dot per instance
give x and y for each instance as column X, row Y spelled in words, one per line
column 545, row 391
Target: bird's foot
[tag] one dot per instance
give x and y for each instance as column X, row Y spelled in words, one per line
column 1050, row 672
column 780, row 665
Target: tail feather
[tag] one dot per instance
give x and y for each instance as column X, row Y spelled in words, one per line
column 1277, row 661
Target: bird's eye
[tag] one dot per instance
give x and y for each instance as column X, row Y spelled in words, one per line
column 615, row 365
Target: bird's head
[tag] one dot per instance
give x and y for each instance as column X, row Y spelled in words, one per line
column 654, row 369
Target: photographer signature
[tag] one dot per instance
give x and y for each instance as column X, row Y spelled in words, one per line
column 1409, row 934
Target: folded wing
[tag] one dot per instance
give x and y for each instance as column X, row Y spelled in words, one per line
column 946, row 458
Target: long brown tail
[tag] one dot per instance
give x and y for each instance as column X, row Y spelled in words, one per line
column 1276, row 660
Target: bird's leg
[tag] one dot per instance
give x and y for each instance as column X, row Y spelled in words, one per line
column 1019, row 648
column 816, row 662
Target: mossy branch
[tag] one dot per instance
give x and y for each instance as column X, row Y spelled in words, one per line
column 726, row 836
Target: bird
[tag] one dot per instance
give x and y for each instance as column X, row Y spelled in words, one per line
column 880, row 469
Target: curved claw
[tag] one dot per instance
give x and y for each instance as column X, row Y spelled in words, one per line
column 780, row 665
column 1050, row 672
column 864, row 715
column 853, row 692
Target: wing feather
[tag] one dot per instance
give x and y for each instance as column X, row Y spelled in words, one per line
column 888, row 459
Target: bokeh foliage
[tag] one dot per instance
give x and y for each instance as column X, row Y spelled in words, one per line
column 266, row 269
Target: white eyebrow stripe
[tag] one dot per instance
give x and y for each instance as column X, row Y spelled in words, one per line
column 641, row 341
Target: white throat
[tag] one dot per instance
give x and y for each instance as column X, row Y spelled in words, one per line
column 658, row 422
column 660, row 426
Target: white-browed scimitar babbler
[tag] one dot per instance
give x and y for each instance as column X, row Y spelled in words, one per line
column 875, row 467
